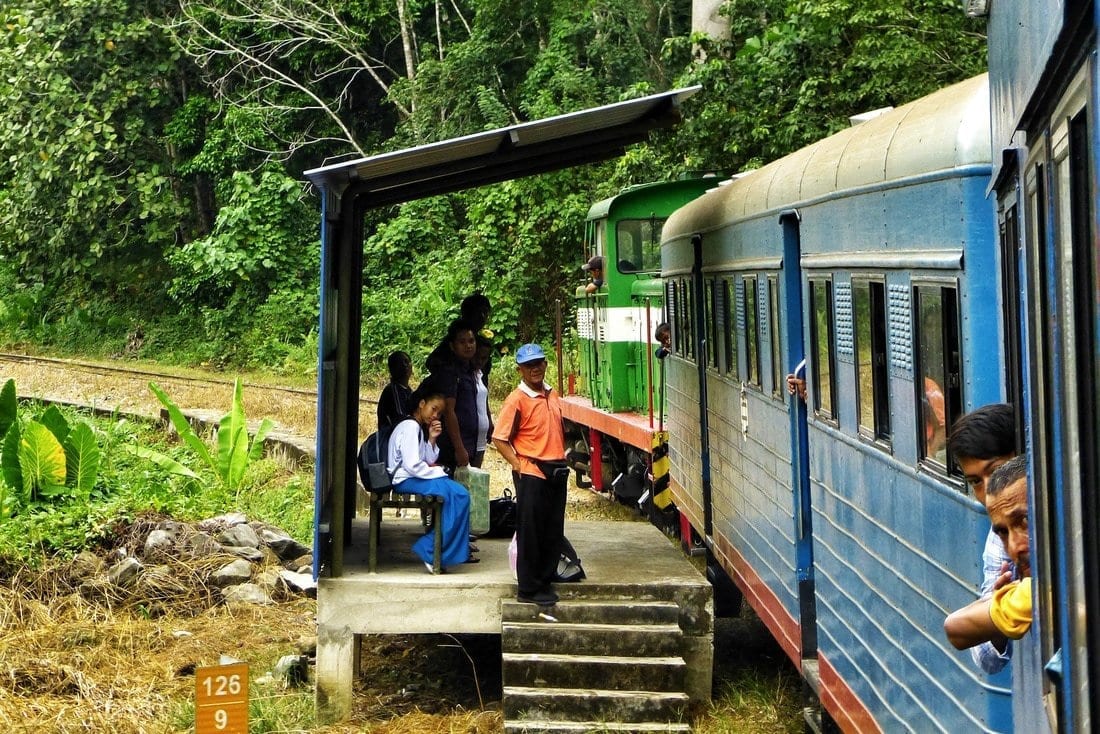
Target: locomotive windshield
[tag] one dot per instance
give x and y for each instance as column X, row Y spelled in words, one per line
column 639, row 245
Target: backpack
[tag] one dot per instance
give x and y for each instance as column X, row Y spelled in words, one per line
column 372, row 460
column 569, row 566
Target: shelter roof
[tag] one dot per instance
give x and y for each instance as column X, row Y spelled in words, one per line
column 497, row 155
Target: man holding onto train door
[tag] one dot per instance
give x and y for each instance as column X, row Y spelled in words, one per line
column 530, row 436
column 981, row 441
column 1007, row 613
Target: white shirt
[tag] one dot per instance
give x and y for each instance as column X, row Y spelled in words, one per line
column 409, row 455
column 482, row 412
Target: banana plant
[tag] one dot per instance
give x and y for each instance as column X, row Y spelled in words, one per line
column 234, row 452
column 44, row 457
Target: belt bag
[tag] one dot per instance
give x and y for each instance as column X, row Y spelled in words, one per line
column 555, row 471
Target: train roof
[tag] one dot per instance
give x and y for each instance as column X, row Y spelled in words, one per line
column 945, row 130
column 602, row 208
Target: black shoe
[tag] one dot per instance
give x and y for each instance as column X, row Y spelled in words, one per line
column 543, row 598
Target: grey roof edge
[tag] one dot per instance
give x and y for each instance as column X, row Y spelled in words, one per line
column 454, row 149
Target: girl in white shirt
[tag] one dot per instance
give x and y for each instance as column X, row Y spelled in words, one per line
column 411, row 459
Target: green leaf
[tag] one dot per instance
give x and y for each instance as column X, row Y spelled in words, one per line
column 233, row 441
column 183, row 427
column 9, row 458
column 164, row 461
column 82, row 458
column 53, row 419
column 8, row 406
column 42, row 461
column 257, row 450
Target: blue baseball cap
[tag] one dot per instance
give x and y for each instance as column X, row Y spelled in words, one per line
column 529, row 353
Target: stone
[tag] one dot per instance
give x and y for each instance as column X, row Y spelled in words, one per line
column 292, row 670
column 252, row 555
column 299, row 582
column 268, row 579
column 125, row 571
column 159, row 542
column 301, row 561
column 199, row 545
column 233, row 573
column 84, row 566
column 246, row 594
column 228, row 520
column 284, row 546
column 239, row 536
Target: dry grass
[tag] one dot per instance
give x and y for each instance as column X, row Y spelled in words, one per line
column 95, row 659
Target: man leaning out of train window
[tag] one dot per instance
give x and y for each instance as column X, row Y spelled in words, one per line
column 594, row 268
column 1007, row 614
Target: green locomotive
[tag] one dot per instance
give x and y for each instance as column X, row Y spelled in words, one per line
column 614, row 404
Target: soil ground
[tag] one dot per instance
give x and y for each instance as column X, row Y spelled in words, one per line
column 68, row 667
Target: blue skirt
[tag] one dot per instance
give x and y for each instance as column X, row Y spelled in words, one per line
column 455, row 519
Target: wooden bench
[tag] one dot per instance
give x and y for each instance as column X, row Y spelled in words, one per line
column 376, row 480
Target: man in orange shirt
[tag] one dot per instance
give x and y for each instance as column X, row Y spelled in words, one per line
column 530, row 437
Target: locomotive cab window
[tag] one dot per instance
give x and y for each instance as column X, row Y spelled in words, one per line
column 873, row 406
column 752, row 334
column 823, row 340
column 939, row 383
column 638, row 245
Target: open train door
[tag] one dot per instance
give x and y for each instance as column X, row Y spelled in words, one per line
column 794, row 355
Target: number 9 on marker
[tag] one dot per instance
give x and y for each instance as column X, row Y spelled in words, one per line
column 221, row 699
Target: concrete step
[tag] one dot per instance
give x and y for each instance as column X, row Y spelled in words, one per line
column 530, row 705
column 589, row 727
column 612, row 672
column 595, row 611
column 651, row 640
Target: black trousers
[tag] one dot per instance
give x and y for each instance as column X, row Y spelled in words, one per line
column 540, row 527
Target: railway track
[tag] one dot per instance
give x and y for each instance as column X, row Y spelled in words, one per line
column 120, row 386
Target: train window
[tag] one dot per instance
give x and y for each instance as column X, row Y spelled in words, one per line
column 939, row 389
column 823, row 338
column 730, row 331
column 779, row 382
column 711, row 323
column 752, row 334
column 687, row 316
column 873, row 406
column 639, row 245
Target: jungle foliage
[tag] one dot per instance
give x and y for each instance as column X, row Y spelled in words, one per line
column 151, row 152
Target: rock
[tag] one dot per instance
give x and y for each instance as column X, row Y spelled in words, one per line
column 252, row 555
column 293, row 670
column 299, row 582
column 284, row 546
column 246, row 594
column 236, row 572
column 239, row 536
column 159, row 542
column 124, row 572
column 84, row 566
column 221, row 522
column 268, row 579
column 301, row 561
column 198, row 545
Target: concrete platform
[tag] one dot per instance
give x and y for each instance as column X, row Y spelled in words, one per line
column 623, row 561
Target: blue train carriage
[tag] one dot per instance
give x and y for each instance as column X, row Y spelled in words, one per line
column 614, row 416
column 1043, row 73
column 842, row 519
